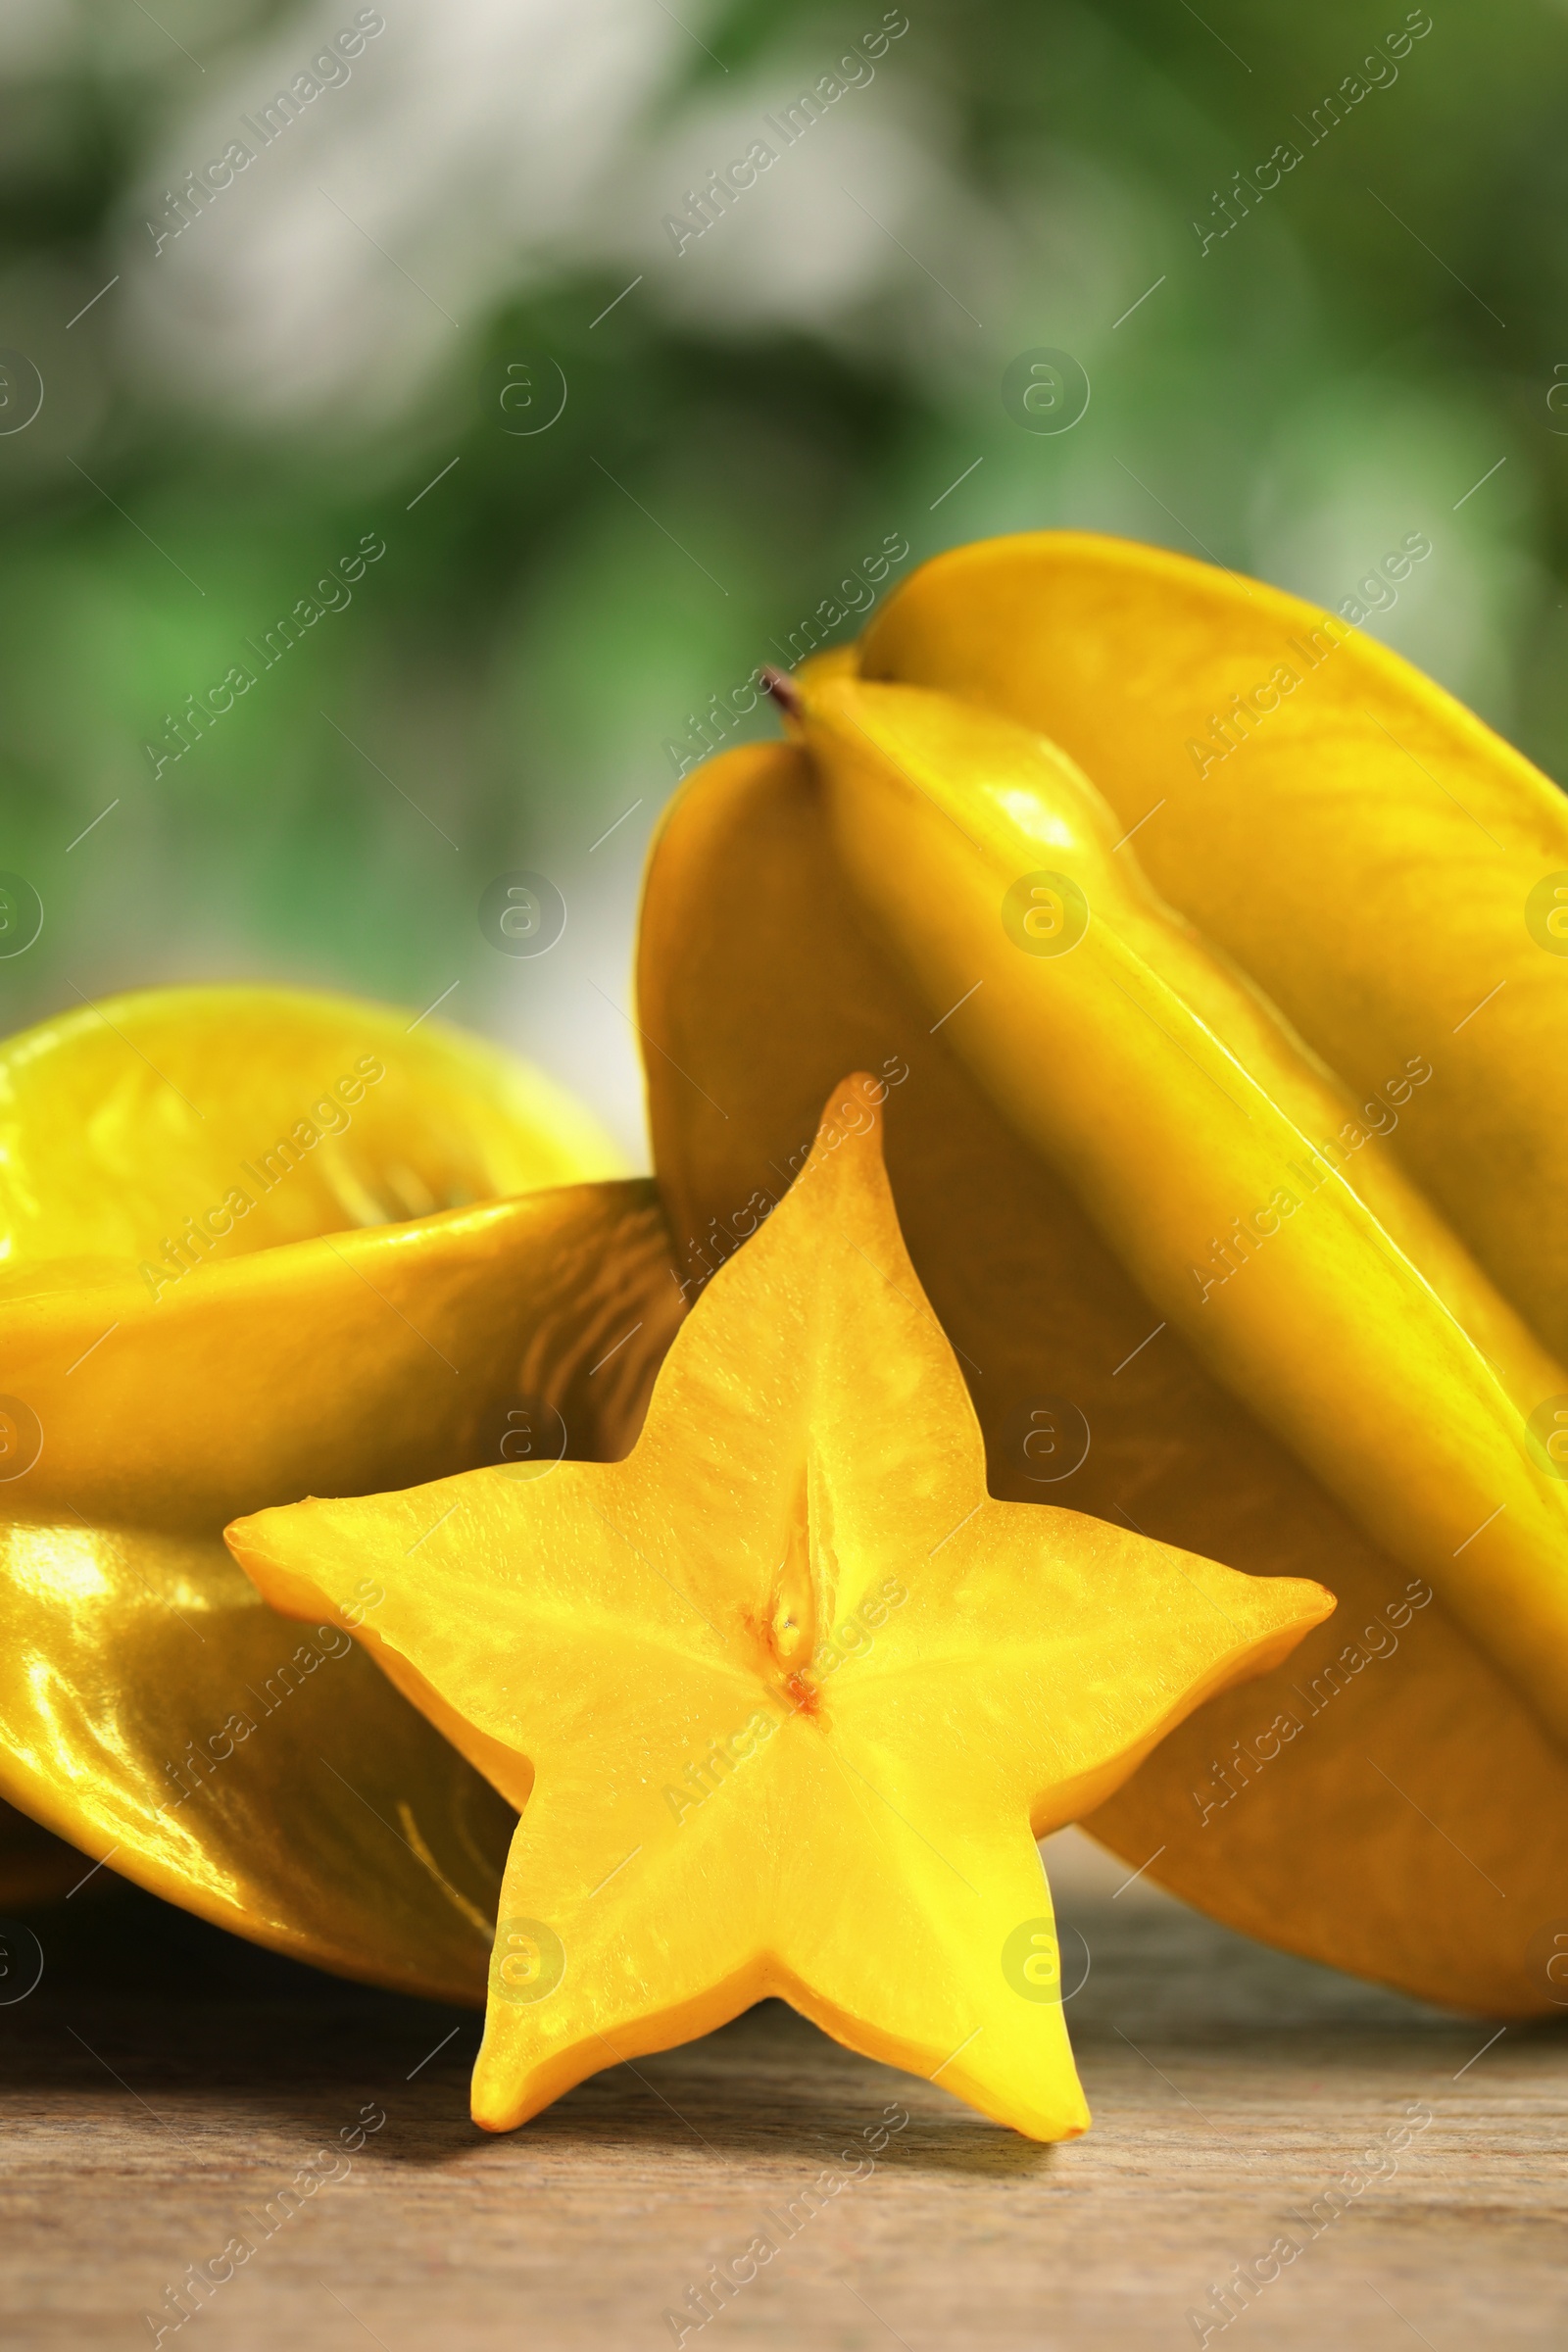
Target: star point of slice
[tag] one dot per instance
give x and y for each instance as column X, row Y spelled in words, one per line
column 785, row 1696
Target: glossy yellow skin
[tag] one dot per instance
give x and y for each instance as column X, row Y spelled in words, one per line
column 788, row 1694
column 1410, row 1820
column 1366, row 849
column 152, row 1710
column 123, row 1123
column 1227, row 1171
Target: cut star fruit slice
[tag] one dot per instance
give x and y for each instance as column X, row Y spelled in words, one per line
column 786, row 1697
column 206, row 1311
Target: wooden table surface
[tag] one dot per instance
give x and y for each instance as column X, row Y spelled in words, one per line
column 164, row 2082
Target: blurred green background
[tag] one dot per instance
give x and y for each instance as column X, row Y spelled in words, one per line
column 324, row 353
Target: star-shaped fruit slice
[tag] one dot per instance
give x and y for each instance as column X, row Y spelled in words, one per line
column 785, row 1698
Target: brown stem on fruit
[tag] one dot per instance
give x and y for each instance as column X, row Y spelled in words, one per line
column 782, row 687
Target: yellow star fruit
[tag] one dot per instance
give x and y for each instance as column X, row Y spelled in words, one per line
column 785, row 1695
column 1088, row 1113
column 254, row 1241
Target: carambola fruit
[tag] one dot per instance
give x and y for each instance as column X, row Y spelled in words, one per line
column 259, row 1239
column 1107, row 1082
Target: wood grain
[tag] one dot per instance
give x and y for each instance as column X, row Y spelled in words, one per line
column 165, row 2083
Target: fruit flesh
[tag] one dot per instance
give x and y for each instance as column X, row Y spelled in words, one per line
column 797, row 1569
column 1318, row 1851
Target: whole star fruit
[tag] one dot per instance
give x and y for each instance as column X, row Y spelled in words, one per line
column 259, row 1239
column 786, row 1697
column 1387, row 1802
column 1384, row 865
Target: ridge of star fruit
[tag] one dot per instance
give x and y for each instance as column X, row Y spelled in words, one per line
column 785, row 1698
